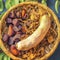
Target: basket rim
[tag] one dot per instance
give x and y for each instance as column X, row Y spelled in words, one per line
column 46, row 8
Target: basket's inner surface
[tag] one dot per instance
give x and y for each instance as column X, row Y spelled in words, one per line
column 22, row 22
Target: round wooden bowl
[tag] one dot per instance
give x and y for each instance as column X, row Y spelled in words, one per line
column 2, row 24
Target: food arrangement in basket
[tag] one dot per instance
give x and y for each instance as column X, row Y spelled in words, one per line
column 29, row 31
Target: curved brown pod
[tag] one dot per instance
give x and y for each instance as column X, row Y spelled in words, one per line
column 34, row 39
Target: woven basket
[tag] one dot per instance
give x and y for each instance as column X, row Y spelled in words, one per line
column 46, row 56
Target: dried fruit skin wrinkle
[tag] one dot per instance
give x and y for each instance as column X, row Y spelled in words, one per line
column 37, row 36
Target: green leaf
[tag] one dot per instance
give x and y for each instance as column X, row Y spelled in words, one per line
column 2, row 15
column 14, row 2
column 44, row 2
column 1, row 5
column 8, row 58
column 7, row 4
column 1, row 56
column 10, row 3
column 57, row 5
column 31, row 0
column 21, row 0
column 5, row 57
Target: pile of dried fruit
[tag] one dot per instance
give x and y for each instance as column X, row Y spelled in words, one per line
column 15, row 28
column 21, row 23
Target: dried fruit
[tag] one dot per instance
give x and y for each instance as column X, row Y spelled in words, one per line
column 15, row 21
column 23, row 12
column 50, row 39
column 14, row 50
column 19, row 27
column 12, row 15
column 15, row 28
column 10, row 41
column 17, row 36
column 9, row 21
column 13, row 40
column 18, row 14
column 5, row 37
column 23, row 29
column 10, row 30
